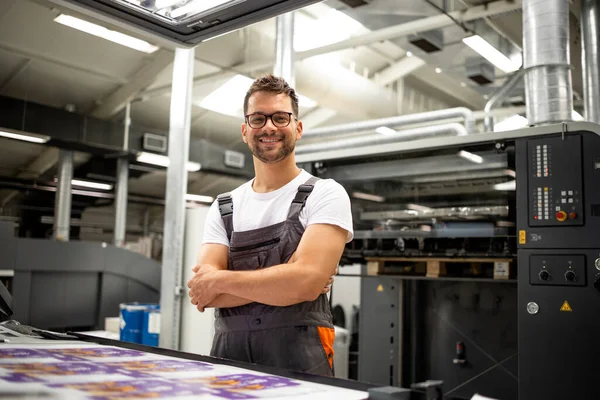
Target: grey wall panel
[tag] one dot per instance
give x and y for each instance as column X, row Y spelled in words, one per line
column 7, row 230
column 378, row 339
column 141, row 293
column 60, row 300
column 21, row 287
column 49, row 255
column 484, row 317
column 113, row 291
column 124, row 262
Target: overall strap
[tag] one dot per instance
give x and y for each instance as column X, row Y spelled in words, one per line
column 299, row 201
column 226, row 210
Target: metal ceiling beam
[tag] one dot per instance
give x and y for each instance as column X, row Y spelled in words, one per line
column 398, row 70
column 16, row 72
column 419, row 25
column 44, row 162
column 411, row 168
column 57, row 61
column 117, row 100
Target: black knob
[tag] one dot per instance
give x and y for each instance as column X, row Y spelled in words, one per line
column 570, row 276
column 544, row 275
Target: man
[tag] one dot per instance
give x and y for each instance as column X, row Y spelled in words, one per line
column 271, row 246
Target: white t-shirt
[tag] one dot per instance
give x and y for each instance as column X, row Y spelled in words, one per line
column 327, row 204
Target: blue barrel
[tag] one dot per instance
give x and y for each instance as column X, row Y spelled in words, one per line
column 132, row 321
column 151, row 326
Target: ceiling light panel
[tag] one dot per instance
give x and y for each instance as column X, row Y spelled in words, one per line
column 493, row 55
column 183, row 23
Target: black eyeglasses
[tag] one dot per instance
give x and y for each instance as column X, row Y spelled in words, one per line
column 280, row 119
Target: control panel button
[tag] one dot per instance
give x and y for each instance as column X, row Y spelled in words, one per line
column 573, row 215
column 544, row 275
column 597, row 264
column 570, row 276
column 561, row 216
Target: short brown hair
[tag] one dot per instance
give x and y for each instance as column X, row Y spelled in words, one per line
column 272, row 84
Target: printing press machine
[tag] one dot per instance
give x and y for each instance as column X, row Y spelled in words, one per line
column 549, row 226
column 41, row 364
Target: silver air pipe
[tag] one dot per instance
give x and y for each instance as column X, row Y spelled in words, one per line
column 410, row 134
column 391, row 122
column 548, row 85
column 590, row 32
column 499, row 95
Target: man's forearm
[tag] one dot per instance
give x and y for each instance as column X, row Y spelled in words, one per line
column 280, row 285
column 227, row 301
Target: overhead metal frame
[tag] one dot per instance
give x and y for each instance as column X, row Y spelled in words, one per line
column 189, row 34
column 445, row 142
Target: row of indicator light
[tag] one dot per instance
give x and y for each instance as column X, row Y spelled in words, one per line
column 542, row 155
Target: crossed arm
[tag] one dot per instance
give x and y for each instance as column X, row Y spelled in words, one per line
column 301, row 279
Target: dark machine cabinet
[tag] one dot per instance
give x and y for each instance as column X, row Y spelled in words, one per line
column 558, row 220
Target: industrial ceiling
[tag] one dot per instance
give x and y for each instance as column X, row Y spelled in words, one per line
column 357, row 60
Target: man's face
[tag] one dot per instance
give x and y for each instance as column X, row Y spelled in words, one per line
column 271, row 144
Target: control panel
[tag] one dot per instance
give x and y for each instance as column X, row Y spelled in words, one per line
column 557, row 270
column 555, row 182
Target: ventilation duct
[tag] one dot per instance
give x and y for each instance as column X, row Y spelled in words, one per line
column 548, row 85
column 500, row 95
column 391, row 122
column 418, row 133
column 429, row 42
column 590, row 30
column 480, row 71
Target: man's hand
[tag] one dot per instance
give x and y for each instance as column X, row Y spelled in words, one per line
column 202, row 285
column 327, row 287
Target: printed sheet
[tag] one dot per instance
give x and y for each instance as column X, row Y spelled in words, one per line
column 95, row 372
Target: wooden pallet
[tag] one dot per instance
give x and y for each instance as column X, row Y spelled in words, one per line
column 436, row 267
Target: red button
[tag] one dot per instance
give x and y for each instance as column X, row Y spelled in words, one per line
column 573, row 215
column 561, row 216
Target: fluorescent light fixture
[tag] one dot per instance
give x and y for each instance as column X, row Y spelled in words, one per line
column 490, row 53
column 384, row 130
column 163, row 161
column 417, row 207
column 470, row 157
column 332, row 27
column 235, row 88
column 195, row 7
column 576, row 116
column 438, row 70
column 511, row 123
column 220, row 100
column 91, row 185
column 160, row 4
column 25, row 137
column 367, row 196
column 508, row 186
column 199, row 198
column 100, row 31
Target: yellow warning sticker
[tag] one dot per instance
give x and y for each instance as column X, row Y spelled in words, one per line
column 523, row 237
column 380, row 288
column 566, row 307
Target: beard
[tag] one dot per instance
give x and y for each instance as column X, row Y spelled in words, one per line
column 272, row 156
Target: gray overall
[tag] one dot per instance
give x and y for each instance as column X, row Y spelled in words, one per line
column 298, row 337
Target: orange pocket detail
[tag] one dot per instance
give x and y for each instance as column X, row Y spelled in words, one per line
column 327, row 335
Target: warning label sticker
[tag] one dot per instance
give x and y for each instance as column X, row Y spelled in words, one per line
column 522, row 237
column 566, row 307
column 380, row 288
